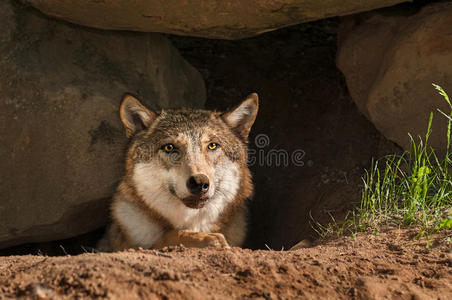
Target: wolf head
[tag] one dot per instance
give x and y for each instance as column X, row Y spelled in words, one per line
column 189, row 157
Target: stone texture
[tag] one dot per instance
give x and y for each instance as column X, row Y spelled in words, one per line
column 217, row 19
column 390, row 60
column 61, row 139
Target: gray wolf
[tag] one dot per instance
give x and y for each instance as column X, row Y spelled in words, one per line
column 186, row 178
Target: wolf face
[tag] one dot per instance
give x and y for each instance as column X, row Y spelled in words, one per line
column 188, row 162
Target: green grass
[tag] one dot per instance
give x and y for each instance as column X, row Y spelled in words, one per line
column 412, row 188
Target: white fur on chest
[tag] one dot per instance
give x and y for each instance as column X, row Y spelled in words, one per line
column 143, row 231
column 155, row 191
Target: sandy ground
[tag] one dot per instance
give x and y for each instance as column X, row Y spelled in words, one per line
column 391, row 265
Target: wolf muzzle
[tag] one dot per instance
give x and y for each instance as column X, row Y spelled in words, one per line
column 198, row 184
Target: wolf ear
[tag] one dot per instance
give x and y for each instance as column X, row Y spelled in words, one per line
column 242, row 117
column 134, row 115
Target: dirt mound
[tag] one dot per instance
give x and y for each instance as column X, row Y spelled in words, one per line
column 390, row 265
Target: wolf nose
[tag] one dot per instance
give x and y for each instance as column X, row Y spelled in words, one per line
column 198, row 184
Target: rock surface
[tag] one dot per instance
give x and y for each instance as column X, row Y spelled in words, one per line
column 211, row 19
column 61, row 140
column 390, row 60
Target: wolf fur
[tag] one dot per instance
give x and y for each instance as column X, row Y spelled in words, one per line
column 186, row 178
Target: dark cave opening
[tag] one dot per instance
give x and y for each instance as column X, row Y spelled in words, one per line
column 309, row 145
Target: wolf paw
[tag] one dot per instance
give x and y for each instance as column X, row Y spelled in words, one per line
column 216, row 240
column 192, row 239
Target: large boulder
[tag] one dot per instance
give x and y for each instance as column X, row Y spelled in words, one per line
column 61, row 140
column 390, row 60
column 218, row 19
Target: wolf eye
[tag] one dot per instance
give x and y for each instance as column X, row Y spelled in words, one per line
column 212, row 146
column 168, row 148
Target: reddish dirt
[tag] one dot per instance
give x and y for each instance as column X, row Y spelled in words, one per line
column 389, row 266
